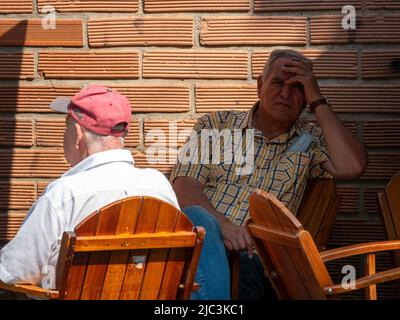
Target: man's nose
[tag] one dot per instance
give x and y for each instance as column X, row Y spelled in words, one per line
column 285, row 91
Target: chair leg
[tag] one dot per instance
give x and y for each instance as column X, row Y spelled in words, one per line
column 370, row 261
column 235, row 272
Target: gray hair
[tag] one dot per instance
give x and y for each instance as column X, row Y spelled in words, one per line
column 98, row 141
column 281, row 53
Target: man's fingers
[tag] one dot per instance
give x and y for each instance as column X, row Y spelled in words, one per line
column 249, row 244
column 228, row 245
column 294, row 79
column 242, row 242
column 296, row 70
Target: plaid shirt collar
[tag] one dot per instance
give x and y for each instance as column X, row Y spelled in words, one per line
column 247, row 123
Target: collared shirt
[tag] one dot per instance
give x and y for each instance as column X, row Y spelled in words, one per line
column 278, row 167
column 98, row 180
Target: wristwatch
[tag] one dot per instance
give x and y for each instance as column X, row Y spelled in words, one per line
column 317, row 103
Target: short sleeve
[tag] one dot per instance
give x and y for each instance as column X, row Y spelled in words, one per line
column 24, row 258
column 319, row 154
column 190, row 162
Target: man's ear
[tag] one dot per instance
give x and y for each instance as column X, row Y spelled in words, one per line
column 78, row 135
column 260, row 82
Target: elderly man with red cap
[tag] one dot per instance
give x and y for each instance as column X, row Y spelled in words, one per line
column 102, row 172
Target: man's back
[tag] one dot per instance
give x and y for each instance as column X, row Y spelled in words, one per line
column 95, row 182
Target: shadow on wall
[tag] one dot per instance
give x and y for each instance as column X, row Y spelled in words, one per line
column 13, row 67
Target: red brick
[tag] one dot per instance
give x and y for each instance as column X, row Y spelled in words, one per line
column 200, row 64
column 383, row 4
column 327, row 64
column 50, row 133
column 164, row 165
column 253, row 30
column 9, row 225
column 369, row 29
column 175, row 132
column 382, row 133
column 17, row 195
column 296, row 5
column 375, row 99
column 31, row 98
column 160, row 31
column 41, row 185
column 16, row 6
column 17, row 65
column 370, row 199
column 16, row 132
column 22, row 163
column 228, row 97
column 349, row 196
column 381, row 64
column 68, row 33
column 89, row 65
column 195, row 5
column 156, row 98
column 382, row 166
column 91, row 5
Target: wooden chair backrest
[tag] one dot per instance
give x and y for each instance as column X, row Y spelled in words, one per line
column 318, row 209
column 135, row 248
column 389, row 204
column 288, row 252
column 317, row 213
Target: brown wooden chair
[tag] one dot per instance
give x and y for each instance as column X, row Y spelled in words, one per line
column 135, row 248
column 292, row 261
column 317, row 212
column 389, row 204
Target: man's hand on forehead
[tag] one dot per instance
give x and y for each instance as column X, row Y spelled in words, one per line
column 303, row 74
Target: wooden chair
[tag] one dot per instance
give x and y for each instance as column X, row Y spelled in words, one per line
column 389, row 204
column 317, row 212
column 135, row 248
column 292, row 261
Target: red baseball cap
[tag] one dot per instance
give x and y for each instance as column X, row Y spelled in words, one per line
column 98, row 109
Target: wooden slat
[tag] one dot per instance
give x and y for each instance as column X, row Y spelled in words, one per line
column 137, row 241
column 115, row 274
column 98, row 261
column 76, row 276
column 158, row 257
column 175, row 265
column 138, row 259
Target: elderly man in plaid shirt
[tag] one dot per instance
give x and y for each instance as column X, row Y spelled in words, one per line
column 287, row 152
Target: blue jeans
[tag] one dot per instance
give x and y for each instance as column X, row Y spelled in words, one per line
column 213, row 274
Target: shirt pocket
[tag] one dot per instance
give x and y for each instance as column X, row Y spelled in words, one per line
column 292, row 165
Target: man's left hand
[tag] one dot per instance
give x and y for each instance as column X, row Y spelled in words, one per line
column 303, row 74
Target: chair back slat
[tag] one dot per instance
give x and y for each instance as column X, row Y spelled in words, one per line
column 389, row 204
column 115, row 274
column 392, row 191
column 175, row 265
column 290, row 263
column 98, row 261
column 71, row 286
column 157, row 257
column 318, row 209
column 110, row 272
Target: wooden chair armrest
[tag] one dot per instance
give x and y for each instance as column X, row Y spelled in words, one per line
column 384, row 276
column 357, row 249
column 30, row 289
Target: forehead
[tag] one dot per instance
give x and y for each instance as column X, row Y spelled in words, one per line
column 276, row 69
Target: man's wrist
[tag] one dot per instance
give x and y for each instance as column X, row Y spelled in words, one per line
column 318, row 102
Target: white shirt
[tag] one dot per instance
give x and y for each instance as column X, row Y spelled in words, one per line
column 96, row 181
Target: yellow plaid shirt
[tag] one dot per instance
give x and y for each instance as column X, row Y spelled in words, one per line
column 275, row 170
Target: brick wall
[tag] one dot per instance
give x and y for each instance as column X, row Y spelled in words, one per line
column 177, row 60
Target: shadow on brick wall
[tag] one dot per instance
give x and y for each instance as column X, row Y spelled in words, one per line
column 11, row 71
